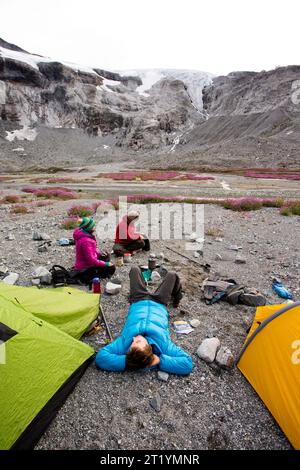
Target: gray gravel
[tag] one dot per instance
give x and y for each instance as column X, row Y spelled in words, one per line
column 210, row 409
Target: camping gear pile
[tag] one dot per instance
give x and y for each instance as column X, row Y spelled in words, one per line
column 228, row 290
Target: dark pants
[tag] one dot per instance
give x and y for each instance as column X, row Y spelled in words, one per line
column 120, row 249
column 87, row 275
column 169, row 289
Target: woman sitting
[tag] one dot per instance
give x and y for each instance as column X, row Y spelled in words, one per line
column 128, row 240
column 90, row 262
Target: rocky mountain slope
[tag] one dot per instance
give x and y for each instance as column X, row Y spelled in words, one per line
column 66, row 114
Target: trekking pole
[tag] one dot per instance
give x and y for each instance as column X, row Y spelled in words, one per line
column 206, row 267
column 105, row 322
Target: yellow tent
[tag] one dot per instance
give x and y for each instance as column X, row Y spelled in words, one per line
column 270, row 361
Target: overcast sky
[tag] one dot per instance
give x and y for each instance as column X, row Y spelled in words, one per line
column 216, row 36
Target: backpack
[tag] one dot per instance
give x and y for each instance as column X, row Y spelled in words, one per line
column 245, row 295
column 61, row 276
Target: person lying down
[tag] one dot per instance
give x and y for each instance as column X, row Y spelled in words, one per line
column 145, row 342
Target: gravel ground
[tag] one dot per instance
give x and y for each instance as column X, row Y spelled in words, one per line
column 211, row 408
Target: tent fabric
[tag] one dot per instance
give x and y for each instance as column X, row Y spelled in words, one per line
column 71, row 310
column 270, row 361
column 42, row 364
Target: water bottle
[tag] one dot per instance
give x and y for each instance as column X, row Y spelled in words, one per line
column 96, row 285
column 127, row 258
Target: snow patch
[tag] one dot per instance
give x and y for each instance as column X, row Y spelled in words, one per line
column 175, row 143
column 225, row 186
column 149, row 78
column 108, row 83
column 26, row 133
column 32, row 60
column 194, row 80
column 18, row 149
column 2, row 92
column 106, row 147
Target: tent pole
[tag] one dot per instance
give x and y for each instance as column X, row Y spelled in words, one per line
column 105, row 322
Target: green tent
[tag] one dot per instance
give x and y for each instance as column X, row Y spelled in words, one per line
column 39, row 362
column 71, row 310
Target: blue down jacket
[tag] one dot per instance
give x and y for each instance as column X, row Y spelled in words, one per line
column 149, row 319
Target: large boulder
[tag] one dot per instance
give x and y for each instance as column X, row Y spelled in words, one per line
column 42, row 274
column 208, row 349
column 11, row 279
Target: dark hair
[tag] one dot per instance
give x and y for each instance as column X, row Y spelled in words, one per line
column 139, row 358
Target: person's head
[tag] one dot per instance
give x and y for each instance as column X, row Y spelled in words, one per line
column 132, row 215
column 87, row 224
column 140, row 354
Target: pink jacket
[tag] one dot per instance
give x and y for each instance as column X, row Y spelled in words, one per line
column 86, row 251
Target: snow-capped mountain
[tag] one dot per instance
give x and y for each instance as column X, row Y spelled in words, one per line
column 71, row 113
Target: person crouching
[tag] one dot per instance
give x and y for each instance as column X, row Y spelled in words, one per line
column 127, row 239
column 90, row 262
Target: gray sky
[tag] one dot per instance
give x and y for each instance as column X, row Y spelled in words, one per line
column 217, row 36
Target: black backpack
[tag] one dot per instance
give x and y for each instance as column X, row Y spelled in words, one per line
column 61, row 276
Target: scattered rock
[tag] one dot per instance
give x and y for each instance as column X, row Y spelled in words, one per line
column 235, row 247
column 36, row 282
column 195, row 322
column 11, row 279
column 42, row 274
column 116, row 280
column 36, row 236
column 40, row 236
column 163, row 376
column 217, row 439
column 156, row 403
column 3, row 269
column 112, row 288
column 219, row 239
column 193, row 237
column 183, row 312
column 224, row 358
column 208, row 349
column 42, row 249
column 10, row 237
column 240, row 260
column 218, row 257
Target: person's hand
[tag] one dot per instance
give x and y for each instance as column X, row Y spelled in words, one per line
column 110, row 264
column 141, row 237
column 155, row 361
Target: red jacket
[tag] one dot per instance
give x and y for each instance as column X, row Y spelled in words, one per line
column 126, row 233
column 86, row 251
